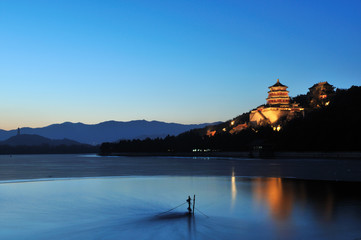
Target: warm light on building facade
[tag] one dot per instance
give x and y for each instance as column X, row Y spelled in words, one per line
column 278, row 94
column 278, row 128
column 211, row 133
column 278, row 107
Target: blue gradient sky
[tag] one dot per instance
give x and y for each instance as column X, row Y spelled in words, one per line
column 174, row 61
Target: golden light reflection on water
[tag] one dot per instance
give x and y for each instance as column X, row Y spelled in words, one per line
column 271, row 192
column 233, row 189
column 279, row 197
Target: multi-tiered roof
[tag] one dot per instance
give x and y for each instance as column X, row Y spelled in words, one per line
column 278, row 94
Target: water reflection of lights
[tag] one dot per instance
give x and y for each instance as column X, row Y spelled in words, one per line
column 233, row 189
column 279, row 197
column 271, row 192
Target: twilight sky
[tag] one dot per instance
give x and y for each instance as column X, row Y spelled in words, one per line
column 184, row 61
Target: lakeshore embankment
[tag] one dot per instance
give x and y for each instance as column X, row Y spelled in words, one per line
column 255, row 154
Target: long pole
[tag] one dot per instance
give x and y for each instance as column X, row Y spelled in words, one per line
column 194, row 203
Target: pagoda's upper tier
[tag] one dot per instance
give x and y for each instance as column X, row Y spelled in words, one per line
column 278, row 95
column 278, row 85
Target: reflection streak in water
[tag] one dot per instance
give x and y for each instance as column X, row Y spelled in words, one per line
column 233, row 189
column 279, row 196
column 275, row 195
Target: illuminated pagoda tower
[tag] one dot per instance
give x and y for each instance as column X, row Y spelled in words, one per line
column 277, row 109
column 278, row 94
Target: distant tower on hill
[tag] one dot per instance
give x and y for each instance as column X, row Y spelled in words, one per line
column 277, row 109
column 18, row 131
column 278, row 94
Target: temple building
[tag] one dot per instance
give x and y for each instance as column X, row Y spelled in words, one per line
column 320, row 94
column 278, row 94
column 277, row 109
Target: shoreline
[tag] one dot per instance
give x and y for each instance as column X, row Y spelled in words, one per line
column 273, row 155
column 22, row 167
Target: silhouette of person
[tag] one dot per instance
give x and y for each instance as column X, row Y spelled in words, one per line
column 189, row 205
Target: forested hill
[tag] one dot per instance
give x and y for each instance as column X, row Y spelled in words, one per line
column 34, row 140
column 35, row 144
column 335, row 127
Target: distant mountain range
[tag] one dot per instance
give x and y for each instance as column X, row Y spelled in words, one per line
column 36, row 140
column 109, row 131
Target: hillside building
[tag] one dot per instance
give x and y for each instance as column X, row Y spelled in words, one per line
column 278, row 108
column 320, row 94
column 278, row 94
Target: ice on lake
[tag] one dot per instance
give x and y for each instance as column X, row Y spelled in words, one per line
column 133, row 208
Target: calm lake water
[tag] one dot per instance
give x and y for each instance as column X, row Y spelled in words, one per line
column 133, row 208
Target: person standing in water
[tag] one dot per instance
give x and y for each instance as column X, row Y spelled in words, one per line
column 189, row 205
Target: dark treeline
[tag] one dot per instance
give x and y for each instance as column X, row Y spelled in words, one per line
column 335, row 127
column 48, row 149
column 185, row 142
